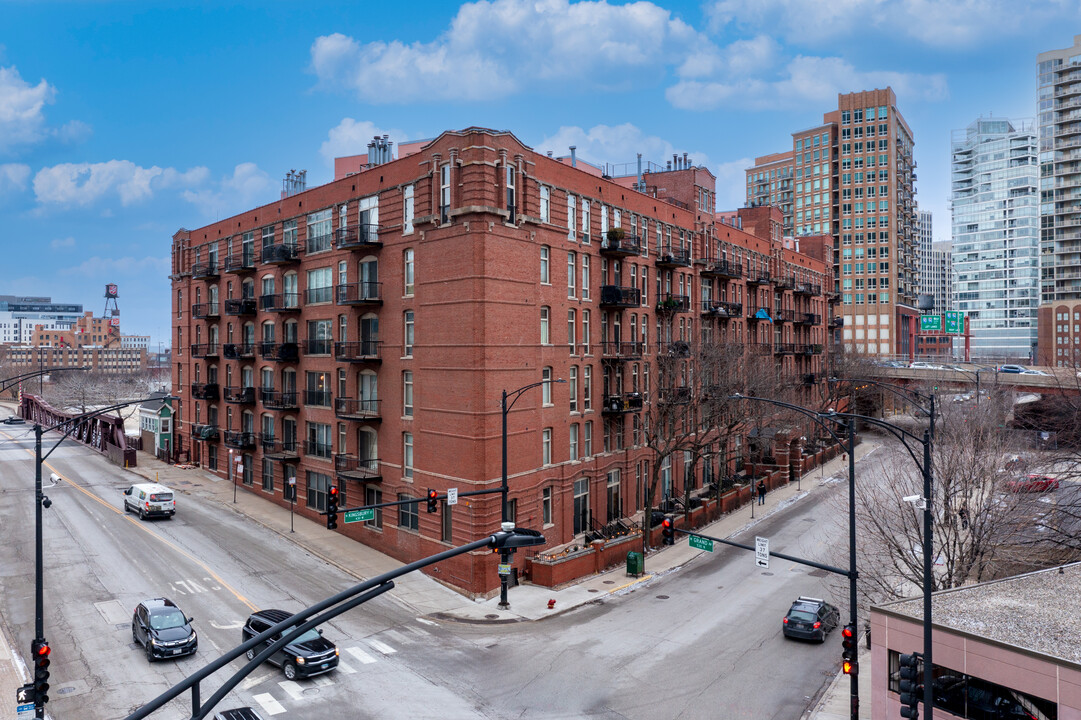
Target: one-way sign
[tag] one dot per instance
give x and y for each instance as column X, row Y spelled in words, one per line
column 761, row 552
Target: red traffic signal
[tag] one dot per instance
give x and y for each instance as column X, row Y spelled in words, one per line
column 41, row 649
column 333, row 496
column 433, row 497
column 668, row 531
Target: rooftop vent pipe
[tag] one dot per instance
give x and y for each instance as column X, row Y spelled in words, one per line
column 574, row 160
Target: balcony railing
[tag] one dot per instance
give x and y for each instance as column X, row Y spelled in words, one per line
column 618, row 296
column 357, row 236
column 321, row 346
column 365, row 293
column 204, row 350
column 674, row 395
column 837, row 322
column 780, row 315
column 669, row 303
column 678, row 349
column 243, row 306
column 784, row 348
column 808, row 289
column 280, row 352
column 619, row 404
column 208, row 433
column 351, row 467
column 362, row 351
column 673, row 257
column 205, row 310
column 280, row 302
column 241, row 262
column 722, row 310
column 622, row 350
column 721, row 268
column 318, row 449
column 281, row 253
column 205, row 269
column 786, row 283
column 234, row 351
column 758, row 313
column 759, row 277
column 204, row 391
column 240, row 440
column 620, row 243
column 239, row 395
column 357, row 409
column 278, row 449
column 806, row 318
column 319, row 295
column 278, row 399
column 319, row 398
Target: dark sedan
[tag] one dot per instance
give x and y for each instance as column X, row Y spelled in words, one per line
column 810, row 619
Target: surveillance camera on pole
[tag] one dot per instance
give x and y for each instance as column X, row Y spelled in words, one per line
column 916, row 500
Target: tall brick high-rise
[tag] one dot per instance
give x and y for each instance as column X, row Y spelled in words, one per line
column 362, row 332
column 854, row 178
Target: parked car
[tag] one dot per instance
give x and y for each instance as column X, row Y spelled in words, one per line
column 149, row 500
column 1035, row 372
column 163, row 630
column 14, row 420
column 1032, row 483
column 1011, row 368
column 305, row 656
column 810, row 619
column 921, row 365
column 240, row 713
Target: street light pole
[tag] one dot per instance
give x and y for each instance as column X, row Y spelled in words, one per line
column 854, row 679
column 928, row 680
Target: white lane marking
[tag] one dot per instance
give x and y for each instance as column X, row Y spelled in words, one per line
column 419, row 632
column 255, row 680
column 292, row 689
column 323, row 680
column 347, row 669
column 268, row 703
column 398, row 637
column 360, row 655
column 236, row 625
column 426, row 621
column 382, row 647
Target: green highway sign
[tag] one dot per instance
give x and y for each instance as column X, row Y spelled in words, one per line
column 955, row 322
column 700, row 543
column 360, row 515
column 930, row 323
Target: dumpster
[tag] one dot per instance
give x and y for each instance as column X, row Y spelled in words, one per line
column 636, row 563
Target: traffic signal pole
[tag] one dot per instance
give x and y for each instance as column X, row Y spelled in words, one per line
column 39, row 563
column 854, row 679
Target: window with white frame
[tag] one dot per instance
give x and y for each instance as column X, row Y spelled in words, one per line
column 408, row 349
column 572, row 448
column 585, row 331
column 572, row 269
column 585, row 276
column 408, row 268
column 572, row 388
column 320, row 230
column 407, row 455
column 546, row 387
column 407, row 209
column 546, row 446
column 545, row 265
column 546, row 506
column 545, row 318
column 444, row 193
column 570, row 216
column 407, row 393
column 585, row 221
column 572, row 322
column 545, row 203
column 587, row 439
column 587, row 387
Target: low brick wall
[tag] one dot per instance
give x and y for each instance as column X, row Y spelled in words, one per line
column 588, row 561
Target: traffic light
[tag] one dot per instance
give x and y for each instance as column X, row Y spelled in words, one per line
column 432, row 500
column 40, row 650
column 849, row 663
column 668, row 532
column 332, row 507
column 910, row 687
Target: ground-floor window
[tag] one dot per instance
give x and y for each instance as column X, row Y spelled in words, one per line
column 317, row 490
column 268, row 475
column 374, row 496
column 408, row 513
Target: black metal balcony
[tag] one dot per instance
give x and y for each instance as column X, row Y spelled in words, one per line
column 721, row 269
column 204, row 391
column 622, row 351
column 837, row 322
column 357, row 409
column 806, row 318
column 785, row 348
column 239, row 395
column 680, row 395
column 722, row 310
column 621, row 243
column 808, row 289
column 365, row 293
column 321, row 346
column 621, row 297
column 205, row 269
column 235, row 351
column 280, row 302
column 759, row 277
column 243, row 306
column 202, row 311
column 362, row 351
column 319, row 295
column 318, row 449
column 204, row 350
column 281, row 254
column 677, row 348
column 620, row 404
column 785, row 283
column 668, row 303
column 241, row 262
column 278, row 449
column 208, row 433
column 240, row 440
column 809, row 379
column 357, row 237
column 351, row 467
column 318, row 398
column 755, row 314
column 673, row 257
column 788, row 316
column 280, row 352
column 278, row 400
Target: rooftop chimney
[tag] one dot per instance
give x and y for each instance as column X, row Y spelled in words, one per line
column 574, row 160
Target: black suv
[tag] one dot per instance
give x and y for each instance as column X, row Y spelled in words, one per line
column 810, row 619
column 163, row 629
column 308, row 655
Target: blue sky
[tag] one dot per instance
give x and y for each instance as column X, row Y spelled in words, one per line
column 121, row 122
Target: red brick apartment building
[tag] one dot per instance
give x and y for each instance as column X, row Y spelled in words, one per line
column 362, row 332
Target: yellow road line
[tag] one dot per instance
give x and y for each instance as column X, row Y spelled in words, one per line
column 632, row 582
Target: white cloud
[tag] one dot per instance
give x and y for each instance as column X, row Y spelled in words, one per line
column 22, row 120
column 62, row 243
column 351, row 137
column 494, row 48
column 616, row 145
column 940, row 23
column 111, row 267
column 246, row 187
column 83, row 184
column 13, row 176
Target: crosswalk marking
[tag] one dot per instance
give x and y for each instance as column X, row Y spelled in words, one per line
column 426, row 621
column 361, row 655
column 254, row 680
column 323, row 680
column 419, row 632
column 269, row 704
column 292, row 689
column 399, row 637
column 382, row 647
column 344, row 668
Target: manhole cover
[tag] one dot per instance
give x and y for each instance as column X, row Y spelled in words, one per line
column 184, row 482
column 662, row 597
column 818, row 573
column 807, row 520
column 592, row 589
column 609, row 582
column 720, row 587
column 767, row 573
column 491, row 617
column 65, row 691
column 308, row 692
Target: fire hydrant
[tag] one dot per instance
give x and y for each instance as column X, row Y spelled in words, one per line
column 552, row 604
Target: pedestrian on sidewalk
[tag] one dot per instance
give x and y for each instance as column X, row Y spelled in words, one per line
column 761, row 492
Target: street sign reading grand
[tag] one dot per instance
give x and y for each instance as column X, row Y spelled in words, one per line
column 700, row 542
column 930, row 323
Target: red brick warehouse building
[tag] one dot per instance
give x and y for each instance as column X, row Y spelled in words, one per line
column 362, row 332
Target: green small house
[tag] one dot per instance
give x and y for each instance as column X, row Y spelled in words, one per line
column 156, row 427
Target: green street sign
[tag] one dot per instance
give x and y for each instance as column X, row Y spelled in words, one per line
column 955, row 322
column 700, row 543
column 360, row 515
column 930, row 323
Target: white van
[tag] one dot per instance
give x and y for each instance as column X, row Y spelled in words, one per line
column 149, row 500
